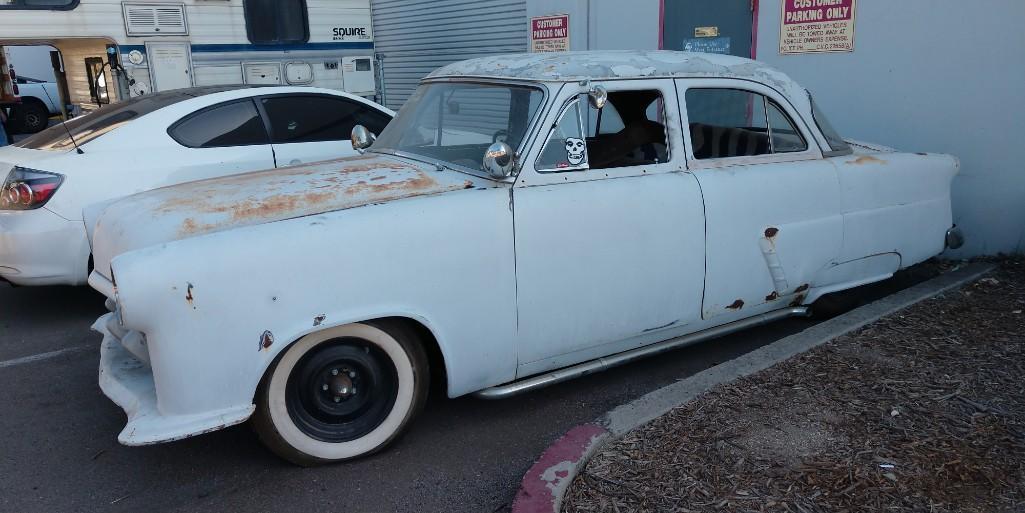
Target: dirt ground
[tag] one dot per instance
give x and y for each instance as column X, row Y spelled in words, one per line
column 920, row 411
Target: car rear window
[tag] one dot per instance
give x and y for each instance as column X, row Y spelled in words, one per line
column 94, row 124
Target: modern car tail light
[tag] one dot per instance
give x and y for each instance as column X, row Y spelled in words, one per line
column 28, row 189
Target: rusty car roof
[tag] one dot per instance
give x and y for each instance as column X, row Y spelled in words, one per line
column 617, row 64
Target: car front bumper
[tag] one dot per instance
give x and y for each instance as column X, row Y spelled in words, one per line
column 127, row 380
column 38, row 247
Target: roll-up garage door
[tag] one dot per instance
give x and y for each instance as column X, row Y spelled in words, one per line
column 415, row 37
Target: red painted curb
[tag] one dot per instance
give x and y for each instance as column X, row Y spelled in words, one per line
column 545, row 483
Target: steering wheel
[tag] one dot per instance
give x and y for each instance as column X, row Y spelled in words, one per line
column 504, row 134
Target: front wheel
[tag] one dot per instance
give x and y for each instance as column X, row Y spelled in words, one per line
column 342, row 393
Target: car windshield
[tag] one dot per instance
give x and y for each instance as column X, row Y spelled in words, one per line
column 456, row 122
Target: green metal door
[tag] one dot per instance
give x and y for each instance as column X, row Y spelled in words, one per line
column 713, row 26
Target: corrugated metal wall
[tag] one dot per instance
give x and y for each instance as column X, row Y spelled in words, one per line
column 416, row 37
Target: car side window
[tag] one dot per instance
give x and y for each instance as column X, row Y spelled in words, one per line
column 628, row 131
column 311, row 118
column 735, row 123
column 566, row 147
column 236, row 123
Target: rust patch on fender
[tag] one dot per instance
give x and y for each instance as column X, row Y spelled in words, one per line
column 411, row 185
column 797, row 300
column 865, row 159
column 736, row 305
column 318, row 320
column 188, row 297
column 266, row 340
column 802, row 288
column 772, row 296
column 771, row 232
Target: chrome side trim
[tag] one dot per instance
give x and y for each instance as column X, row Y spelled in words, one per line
column 607, row 362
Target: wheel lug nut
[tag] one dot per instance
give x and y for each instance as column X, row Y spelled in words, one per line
column 338, row 399
column 324, row 387
column 352, row 374
column 353, row 390
column 334, row 372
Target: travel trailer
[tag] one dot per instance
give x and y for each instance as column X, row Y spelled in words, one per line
column 110, row 50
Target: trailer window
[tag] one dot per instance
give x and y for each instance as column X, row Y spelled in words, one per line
column 276, row 21
column 57, row 5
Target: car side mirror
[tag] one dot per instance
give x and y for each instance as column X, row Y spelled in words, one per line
column 499, row 160
column 362, row 138
column 598, row 96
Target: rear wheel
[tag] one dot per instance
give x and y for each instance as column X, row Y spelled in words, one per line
column 342, row 393
column 30, row 116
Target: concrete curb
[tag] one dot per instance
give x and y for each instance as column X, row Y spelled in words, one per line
column 544, row 485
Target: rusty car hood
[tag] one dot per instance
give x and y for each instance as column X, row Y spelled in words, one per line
column 197, row 208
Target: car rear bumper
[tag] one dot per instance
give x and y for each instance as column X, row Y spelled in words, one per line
column 38, row 247
column 128, row 381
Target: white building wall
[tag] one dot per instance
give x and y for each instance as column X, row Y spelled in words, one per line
column 932, row 76
column 605, row 24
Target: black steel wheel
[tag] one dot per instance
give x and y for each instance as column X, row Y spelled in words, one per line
column 341, row 393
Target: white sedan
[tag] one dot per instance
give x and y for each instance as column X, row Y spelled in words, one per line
column 62, row 175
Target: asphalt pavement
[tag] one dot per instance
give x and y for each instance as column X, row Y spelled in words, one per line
column 59, row 450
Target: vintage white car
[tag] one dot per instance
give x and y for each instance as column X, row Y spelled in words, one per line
column 524, row 220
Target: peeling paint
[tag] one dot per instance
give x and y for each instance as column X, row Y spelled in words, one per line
column 266, row 340
column 189, row 298
column 620, row 64
column 772, row 296
column 771, row 232
column 736, row 305
column 664, row 326
column 207, row 206
column 318, row 320
column 802, row 288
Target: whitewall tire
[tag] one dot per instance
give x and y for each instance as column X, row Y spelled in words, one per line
column 342, row 393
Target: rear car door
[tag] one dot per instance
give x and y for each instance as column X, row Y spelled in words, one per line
column 772, row 203
column 224, row 139
column 314, row 127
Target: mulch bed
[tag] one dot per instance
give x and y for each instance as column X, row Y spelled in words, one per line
column 923, row 410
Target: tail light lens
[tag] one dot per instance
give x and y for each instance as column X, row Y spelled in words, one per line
column 28, row 189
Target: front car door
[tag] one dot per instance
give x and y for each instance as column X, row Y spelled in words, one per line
column 772, row 204
column 314, row 127
column 609, row 227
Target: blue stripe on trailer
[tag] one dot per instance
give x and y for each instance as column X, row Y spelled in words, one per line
column 220, row 48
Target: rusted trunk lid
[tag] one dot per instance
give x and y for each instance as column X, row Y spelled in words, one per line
column 207, row 206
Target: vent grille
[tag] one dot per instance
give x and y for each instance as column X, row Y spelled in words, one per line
column 155, row 19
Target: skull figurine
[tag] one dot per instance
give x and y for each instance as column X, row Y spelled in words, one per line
column 575, row 150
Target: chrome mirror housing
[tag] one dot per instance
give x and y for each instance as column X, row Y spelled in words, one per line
column 362, row 138
column 499, row 160
column 598, row 96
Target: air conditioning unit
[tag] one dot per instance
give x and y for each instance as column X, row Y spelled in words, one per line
column 155, row 19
